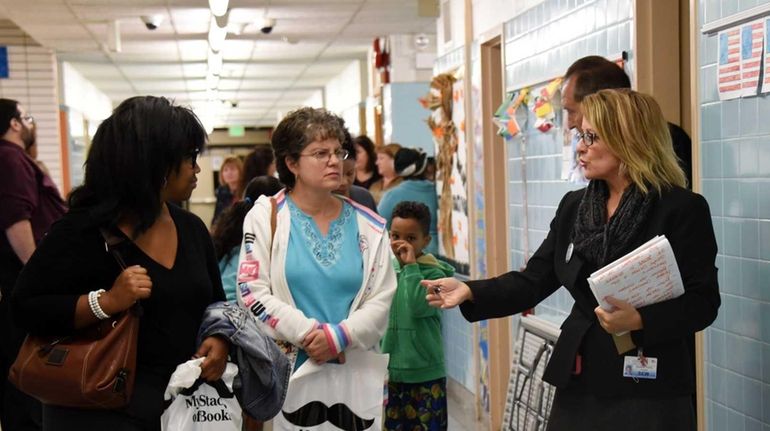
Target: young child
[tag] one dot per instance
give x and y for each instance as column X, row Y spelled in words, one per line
column 417, row 378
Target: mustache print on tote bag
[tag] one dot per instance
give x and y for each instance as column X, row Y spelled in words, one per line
column 315, row 413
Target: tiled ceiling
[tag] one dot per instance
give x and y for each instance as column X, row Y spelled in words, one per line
column 312, row 42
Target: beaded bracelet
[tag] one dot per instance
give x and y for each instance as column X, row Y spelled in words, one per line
column 93, row 302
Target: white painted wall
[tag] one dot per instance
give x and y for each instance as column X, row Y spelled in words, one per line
column 456, row 25
column 404, row 59
column 83, row 96
column 488, row 15
column 346, row 89
column 33, row 82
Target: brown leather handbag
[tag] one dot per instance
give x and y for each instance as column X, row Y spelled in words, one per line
column 93, row 368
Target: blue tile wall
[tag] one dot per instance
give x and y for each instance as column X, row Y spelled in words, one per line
column 458, row 348
column 735, row 173
column 540, row 44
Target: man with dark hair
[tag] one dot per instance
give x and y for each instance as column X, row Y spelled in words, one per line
column 31, row 203
column 587, row 76
column 590, row 74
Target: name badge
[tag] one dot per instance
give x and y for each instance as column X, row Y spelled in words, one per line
column 640, row 367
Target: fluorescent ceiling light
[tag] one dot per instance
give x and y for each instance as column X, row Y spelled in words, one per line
column 217, row 36
column 212, row 81
column 218, row 7
column 215, row 62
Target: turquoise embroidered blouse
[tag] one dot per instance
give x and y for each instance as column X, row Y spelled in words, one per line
column 324, row 273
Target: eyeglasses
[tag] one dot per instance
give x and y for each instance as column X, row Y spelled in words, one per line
column 192, row 156
column 324, row 156
column 28, row 118
column 589, row 138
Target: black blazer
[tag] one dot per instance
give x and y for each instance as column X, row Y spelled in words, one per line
column 684, row 218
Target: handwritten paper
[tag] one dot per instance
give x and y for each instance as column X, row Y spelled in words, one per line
column 729, row 67
column 645, row 276
column 752, row 35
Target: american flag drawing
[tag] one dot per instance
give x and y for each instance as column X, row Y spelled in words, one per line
column 751, row 56
column 729, row 67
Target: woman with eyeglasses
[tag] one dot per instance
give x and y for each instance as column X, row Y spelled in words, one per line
column 636, row 191
column 142, row 157
column 321, row 283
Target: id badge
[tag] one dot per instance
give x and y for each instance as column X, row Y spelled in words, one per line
column 640, row 368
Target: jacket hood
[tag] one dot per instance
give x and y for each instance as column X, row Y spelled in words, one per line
column 428, row 259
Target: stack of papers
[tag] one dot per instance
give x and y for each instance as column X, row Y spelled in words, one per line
column 645, row 276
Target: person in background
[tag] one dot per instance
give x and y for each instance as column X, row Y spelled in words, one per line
column 590, row 74
column 347, row 187
column 260, row 161
column 323, row 280
column 410, row 165
column 636, row 192
column 230, row 185
column 430, row 169
column 365, row 157
column 416, row 373
column 227, row 232
column 142, row 156
column 389, row 178
column 30, row 204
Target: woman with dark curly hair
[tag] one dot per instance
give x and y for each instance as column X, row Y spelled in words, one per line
column 228, row 230
column 143, row 156
column 366, row 157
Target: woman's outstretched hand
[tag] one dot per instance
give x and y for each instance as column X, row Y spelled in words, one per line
column 446, row 292
column 624, row 317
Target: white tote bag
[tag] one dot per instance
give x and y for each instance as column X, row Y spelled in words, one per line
column 333, row 397
column 210, row 407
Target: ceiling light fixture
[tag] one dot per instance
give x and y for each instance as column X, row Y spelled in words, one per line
column 217, row 36
column 215, row 62
column 113, row 36
column 218, row 7
column 212, row 81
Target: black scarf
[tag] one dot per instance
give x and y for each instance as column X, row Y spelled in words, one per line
column 602, row 242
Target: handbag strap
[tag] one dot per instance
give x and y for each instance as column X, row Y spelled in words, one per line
column 111, row 241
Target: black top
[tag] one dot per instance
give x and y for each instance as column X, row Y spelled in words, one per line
column 224, row 201
column 72, row 261
column 363, row 197
column 368, row 183
column 684, row 218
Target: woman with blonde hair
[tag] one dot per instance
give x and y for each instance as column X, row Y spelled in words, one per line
column 230, row 185
column 636, row 192
column 386, row 156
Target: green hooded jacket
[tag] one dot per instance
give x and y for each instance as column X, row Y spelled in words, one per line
column 413, row 339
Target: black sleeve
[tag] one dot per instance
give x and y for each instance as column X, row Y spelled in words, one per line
column 66, row 264
column 515, row 291
column 695, row 248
